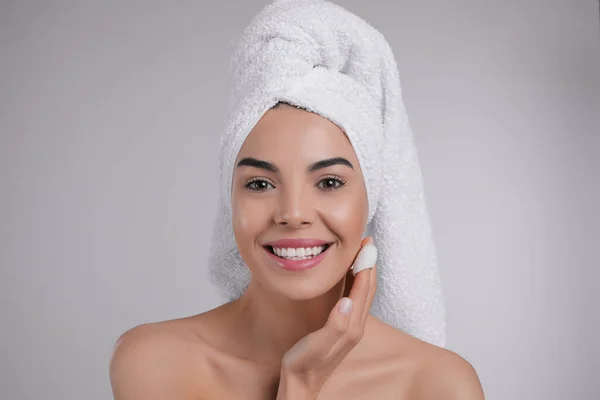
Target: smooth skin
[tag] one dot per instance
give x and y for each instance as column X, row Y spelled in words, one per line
column 285, row 337
column 310, row 362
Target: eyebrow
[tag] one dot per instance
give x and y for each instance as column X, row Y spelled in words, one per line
column 253, row 162
column 329, row 162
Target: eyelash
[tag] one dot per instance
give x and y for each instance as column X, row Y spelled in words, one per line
column 337, row 179
column 333, row 178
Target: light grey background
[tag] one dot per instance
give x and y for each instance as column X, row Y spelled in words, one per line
column 110, row 113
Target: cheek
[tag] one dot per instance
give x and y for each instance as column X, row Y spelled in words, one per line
column 347, row 217
column 242, row 221
column 249, row 218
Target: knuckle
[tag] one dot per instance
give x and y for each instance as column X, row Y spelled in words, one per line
column 339, row 329
column 354, row 335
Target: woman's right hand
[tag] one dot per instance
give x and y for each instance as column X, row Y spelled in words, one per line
column 309, row 363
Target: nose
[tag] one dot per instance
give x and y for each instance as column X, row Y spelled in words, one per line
column 295, row 208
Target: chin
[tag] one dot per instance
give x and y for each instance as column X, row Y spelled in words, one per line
column 301, row 286
column 299, row 291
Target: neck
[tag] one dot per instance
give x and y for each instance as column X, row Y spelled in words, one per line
column 272, row 323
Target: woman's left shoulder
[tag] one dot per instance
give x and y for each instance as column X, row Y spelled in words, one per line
column 442, row 373
column 435, row 372
column 445, row 373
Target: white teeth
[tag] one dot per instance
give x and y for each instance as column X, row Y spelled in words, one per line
column 299, row 253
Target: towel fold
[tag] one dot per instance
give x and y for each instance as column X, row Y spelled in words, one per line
column 319, row 56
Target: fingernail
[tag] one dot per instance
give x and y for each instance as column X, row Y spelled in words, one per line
column 346, row 305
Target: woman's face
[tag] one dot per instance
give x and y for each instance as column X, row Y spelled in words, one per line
column 280, row 191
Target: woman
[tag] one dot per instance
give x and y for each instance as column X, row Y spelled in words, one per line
column 299, row 193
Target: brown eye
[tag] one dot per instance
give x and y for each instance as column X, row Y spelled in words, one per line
column 331, row 183
column 258, row 185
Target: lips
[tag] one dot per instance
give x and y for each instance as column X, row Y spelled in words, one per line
column 297, row 265
column 297, row 243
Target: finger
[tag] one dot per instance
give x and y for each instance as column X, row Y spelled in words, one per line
column 359, row 291
column 372, row 291
column 359, row 295
column 355, row 327
column 321, row 342
column 368, row 241
column 369, row 262
column 348, row 283
column 338, row 324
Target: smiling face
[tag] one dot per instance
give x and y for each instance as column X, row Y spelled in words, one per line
column 297, row 177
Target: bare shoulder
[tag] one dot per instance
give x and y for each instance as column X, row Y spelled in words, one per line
column 157, row 361
column 445, row 374
column 427, row 371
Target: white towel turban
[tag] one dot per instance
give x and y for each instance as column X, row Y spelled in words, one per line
column 319, row 56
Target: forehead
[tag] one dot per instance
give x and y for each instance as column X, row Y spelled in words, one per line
column 288, row 133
